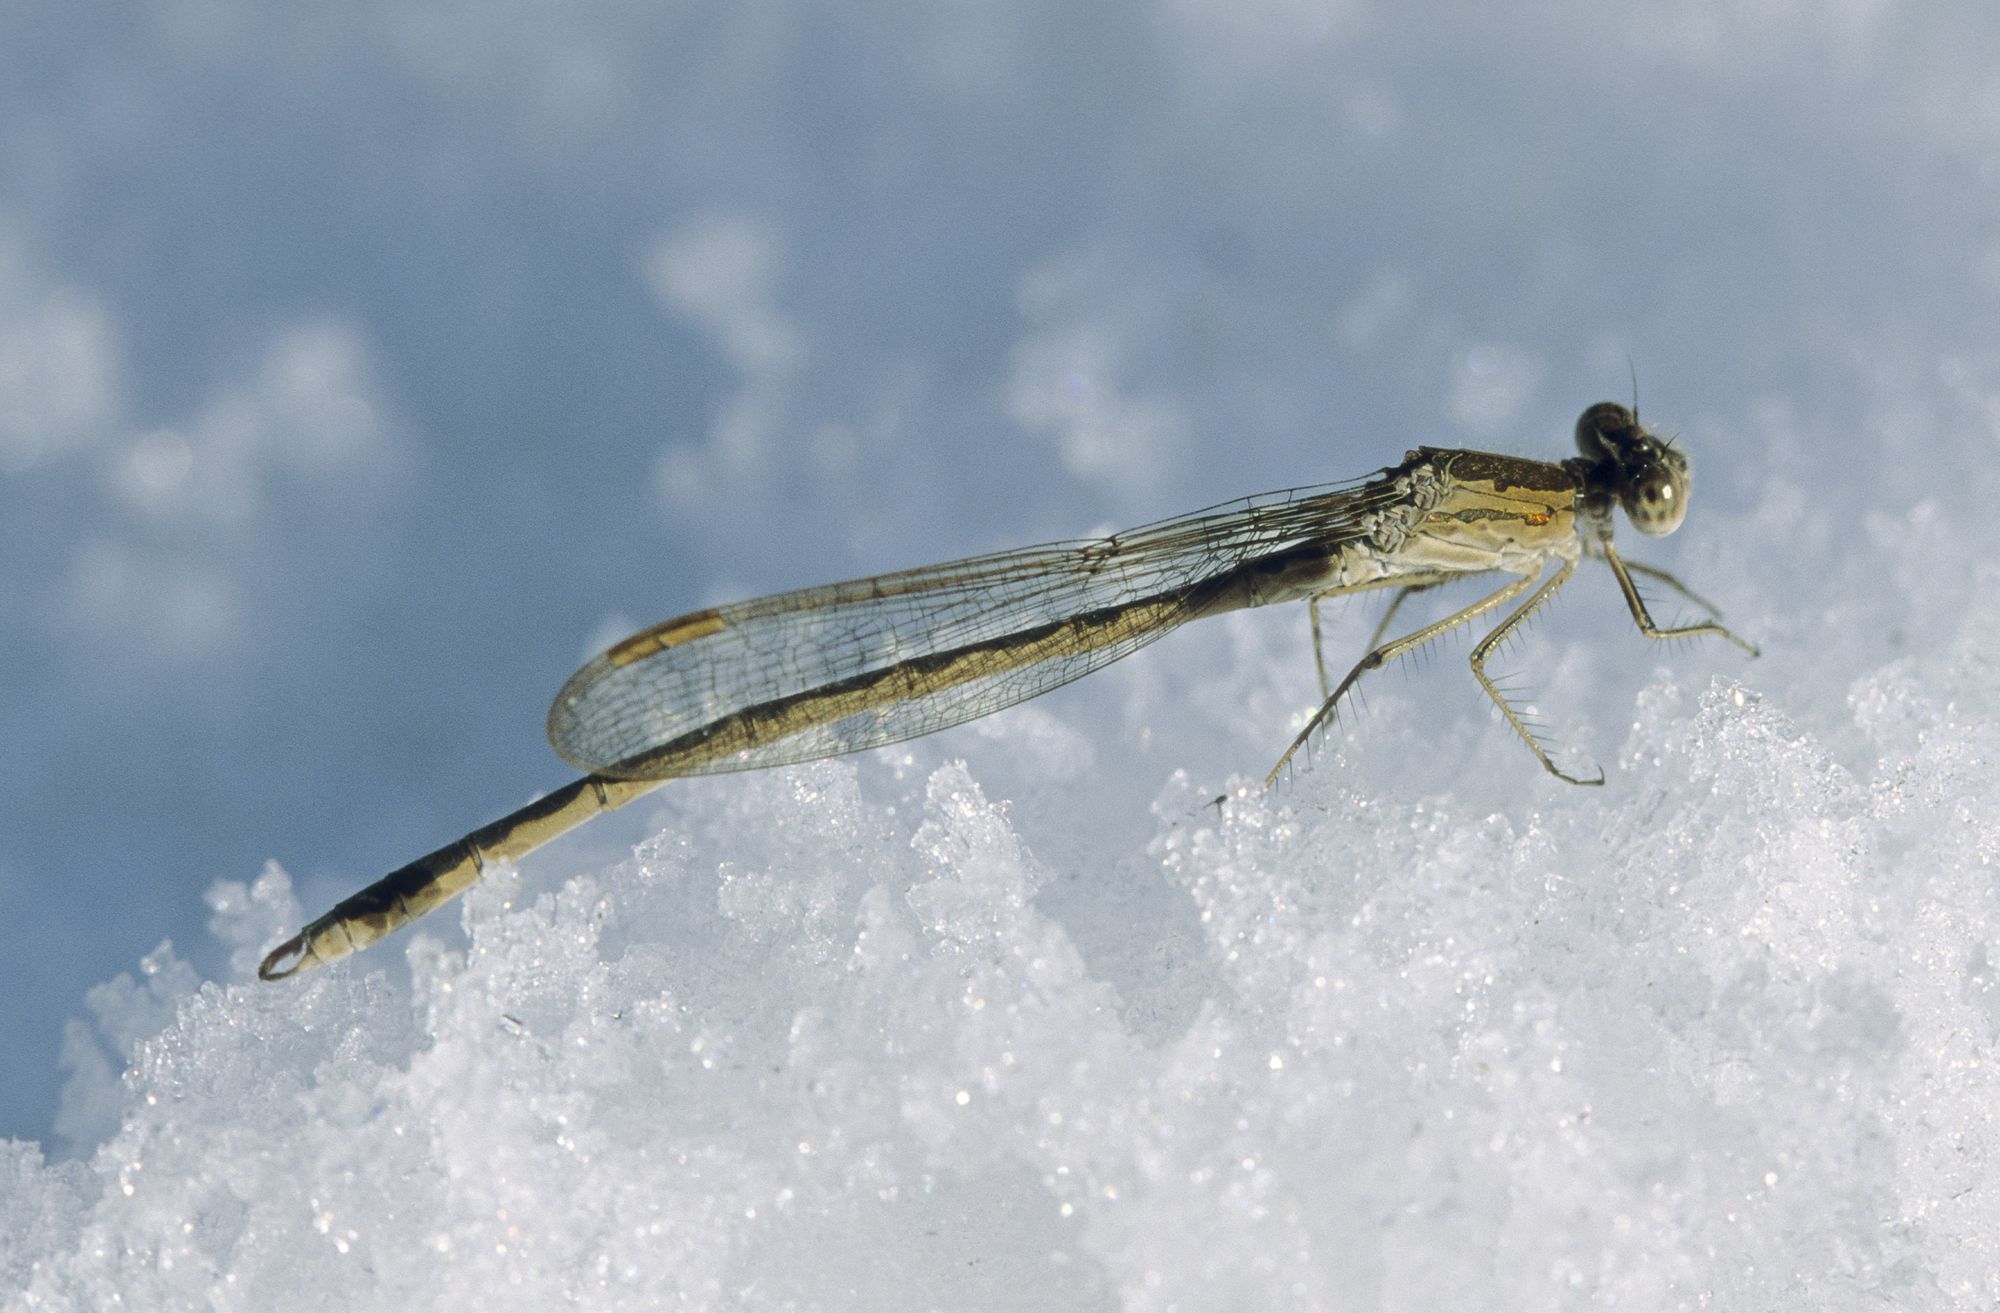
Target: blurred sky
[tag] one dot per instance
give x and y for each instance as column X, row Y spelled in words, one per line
column 362, row 368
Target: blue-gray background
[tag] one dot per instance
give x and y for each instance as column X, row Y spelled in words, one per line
column 361, row 368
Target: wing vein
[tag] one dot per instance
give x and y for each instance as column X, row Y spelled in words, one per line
column 819, row 671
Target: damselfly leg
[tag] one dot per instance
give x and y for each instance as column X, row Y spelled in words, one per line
column 1382, row 655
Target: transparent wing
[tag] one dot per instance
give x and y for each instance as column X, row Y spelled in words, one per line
column 821, row 671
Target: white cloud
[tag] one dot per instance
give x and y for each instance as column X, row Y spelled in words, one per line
column 173, row 603
column 316, row 391
column 307, row 412
column 722, row 275
column 1071, row 375
column 1490, row 382
column 61, row 367
column 1379, row 306
column 157, row 566
column 156, row 563
column 1065, row 383
column 1230, row 41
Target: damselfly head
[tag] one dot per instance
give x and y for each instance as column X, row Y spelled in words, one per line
column 1649, row 476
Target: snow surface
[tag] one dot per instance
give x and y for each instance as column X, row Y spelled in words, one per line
column 1723, row 1034
column 361, row 369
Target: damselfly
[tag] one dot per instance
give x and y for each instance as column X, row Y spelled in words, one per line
column 822, row 671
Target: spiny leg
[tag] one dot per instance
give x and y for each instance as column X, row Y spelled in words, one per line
column 1403, row 590
column 1387, row 652
column 1319, row 653
column 1499, row 635
column 1395, row 604
column 1655, row 572
column 1644, row 618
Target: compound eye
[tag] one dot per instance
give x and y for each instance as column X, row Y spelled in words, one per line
column 1657, row 501
column 1603, row 428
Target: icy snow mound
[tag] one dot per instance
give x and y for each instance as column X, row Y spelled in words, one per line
column 1723, row 1037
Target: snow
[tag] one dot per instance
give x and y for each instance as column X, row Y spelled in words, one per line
column 357, row 369
column 1722, row 1034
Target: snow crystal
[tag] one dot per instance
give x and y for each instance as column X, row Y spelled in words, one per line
column 1723, row 1036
